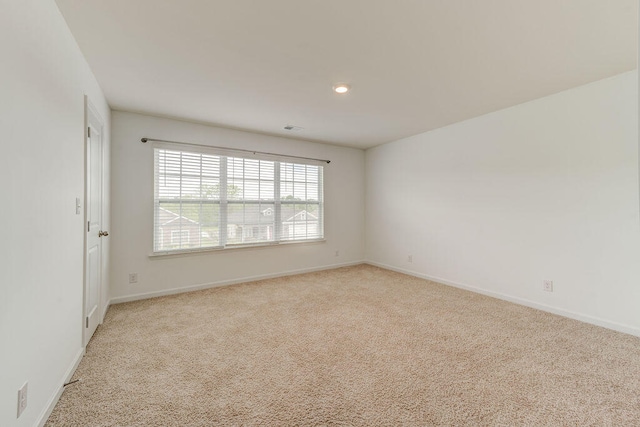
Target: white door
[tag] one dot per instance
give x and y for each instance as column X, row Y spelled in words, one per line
column 93, row 227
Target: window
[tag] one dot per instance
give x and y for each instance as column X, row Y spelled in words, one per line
column 205, row 200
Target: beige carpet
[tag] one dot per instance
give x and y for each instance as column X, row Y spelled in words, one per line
column 353, row 346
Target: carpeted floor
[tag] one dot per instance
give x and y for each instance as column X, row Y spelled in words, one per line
column 357, row 346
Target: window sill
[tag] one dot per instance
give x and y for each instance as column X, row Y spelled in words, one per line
column 232, row 248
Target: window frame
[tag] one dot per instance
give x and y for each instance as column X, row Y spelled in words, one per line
column 275, row 205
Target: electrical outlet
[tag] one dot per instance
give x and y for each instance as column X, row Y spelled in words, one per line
column 133, row 277
column 547, row 285
column 22, row 399
column 410, row 258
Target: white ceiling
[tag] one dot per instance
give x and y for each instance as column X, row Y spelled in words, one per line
column 414, row 65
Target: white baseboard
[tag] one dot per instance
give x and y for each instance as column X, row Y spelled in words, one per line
column 56, row 396
column 104, row 311
column 522, row 301
column 192, row 288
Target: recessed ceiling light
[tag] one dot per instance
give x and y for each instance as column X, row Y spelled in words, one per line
column 341, row 88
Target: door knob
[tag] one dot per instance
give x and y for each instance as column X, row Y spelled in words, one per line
column 103, row 233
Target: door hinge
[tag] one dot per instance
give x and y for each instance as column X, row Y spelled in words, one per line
column 89, row 132
column 88, row 226
column 87, row 322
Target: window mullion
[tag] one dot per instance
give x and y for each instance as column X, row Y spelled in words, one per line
column 244, row 206
column 277, row 204
column 321, row 201
column 222, row 230
column 181, row 206
column 200, row 197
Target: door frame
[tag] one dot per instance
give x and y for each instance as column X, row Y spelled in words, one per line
column 92, row 118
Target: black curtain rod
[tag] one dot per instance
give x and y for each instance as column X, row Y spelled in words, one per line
column 144, row 141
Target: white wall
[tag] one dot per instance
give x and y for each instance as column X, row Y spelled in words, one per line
column 43, row 81
column 542, row 190
column 133, row 211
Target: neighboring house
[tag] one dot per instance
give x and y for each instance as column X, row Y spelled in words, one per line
column 301, row 225
column 250, row 225
column 176, row 231
column 258, row 225
column 246, row 224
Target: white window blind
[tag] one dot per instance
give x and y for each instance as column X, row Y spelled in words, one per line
column 205, row 200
